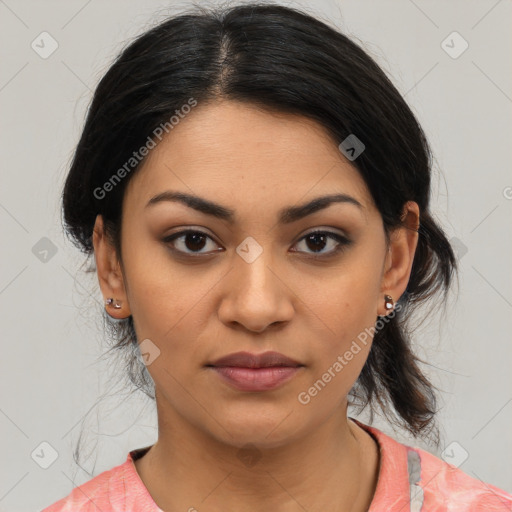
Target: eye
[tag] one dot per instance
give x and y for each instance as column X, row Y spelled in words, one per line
column 195, row 241
column 318, row 240
column 190, row 239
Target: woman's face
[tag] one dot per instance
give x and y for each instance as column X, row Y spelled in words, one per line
column 252, row 280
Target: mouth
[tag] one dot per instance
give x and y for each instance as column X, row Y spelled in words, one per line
column 256, row 379
column 255, row 372
column 249, row 360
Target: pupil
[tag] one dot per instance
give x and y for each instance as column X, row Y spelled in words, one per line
column 196, row 237
column 315, row 236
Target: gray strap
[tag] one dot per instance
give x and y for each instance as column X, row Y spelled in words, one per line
column 414, row 470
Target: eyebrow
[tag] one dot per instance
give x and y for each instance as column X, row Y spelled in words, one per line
column 285, row 216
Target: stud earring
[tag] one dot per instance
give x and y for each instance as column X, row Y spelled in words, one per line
column 116, row 304
column 389, row 303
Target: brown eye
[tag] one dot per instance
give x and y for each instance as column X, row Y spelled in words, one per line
column 190, row 240
column 317, row 241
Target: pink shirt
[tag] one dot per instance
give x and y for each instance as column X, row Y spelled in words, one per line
column 410, row 480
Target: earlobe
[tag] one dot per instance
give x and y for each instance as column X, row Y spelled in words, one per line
column 400, row 256
column 110, row 276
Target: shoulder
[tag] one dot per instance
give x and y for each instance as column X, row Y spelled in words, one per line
column 443, row 483
column 117, row 489
column 99, row 493
column 411, row 476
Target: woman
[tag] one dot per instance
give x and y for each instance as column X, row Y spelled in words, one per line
column 255, row 193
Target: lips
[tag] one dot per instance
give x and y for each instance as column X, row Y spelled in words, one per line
column 256, row 372
column 248, row 360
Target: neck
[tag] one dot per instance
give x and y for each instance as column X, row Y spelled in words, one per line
column 334, row 468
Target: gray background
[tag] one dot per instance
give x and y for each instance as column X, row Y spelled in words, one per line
column 51, row 371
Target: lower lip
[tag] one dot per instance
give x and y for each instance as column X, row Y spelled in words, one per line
column 256, row 379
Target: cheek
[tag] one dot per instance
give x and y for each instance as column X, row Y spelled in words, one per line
column 163, row 312
column 160, row 295
column 348, row 299
column 172, row 306
column 341, row 358
column 347, row 305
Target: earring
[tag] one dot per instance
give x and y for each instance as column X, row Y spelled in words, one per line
column 117, row 304
column 389, row 302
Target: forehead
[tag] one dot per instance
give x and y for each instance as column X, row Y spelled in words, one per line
column 231, row 152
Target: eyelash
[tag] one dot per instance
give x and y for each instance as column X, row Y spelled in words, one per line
column 343, row 242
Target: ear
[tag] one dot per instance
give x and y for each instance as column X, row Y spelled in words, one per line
column 109, row 271
column 400, row 256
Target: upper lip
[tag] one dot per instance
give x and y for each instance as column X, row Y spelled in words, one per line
column 248, row 360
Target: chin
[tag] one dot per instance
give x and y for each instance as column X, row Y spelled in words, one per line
column 262, row 432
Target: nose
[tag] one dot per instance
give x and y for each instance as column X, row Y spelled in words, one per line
column 255, row 294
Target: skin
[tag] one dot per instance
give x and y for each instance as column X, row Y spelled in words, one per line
column 195, row 310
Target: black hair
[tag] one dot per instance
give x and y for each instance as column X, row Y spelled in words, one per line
column 286, row 60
